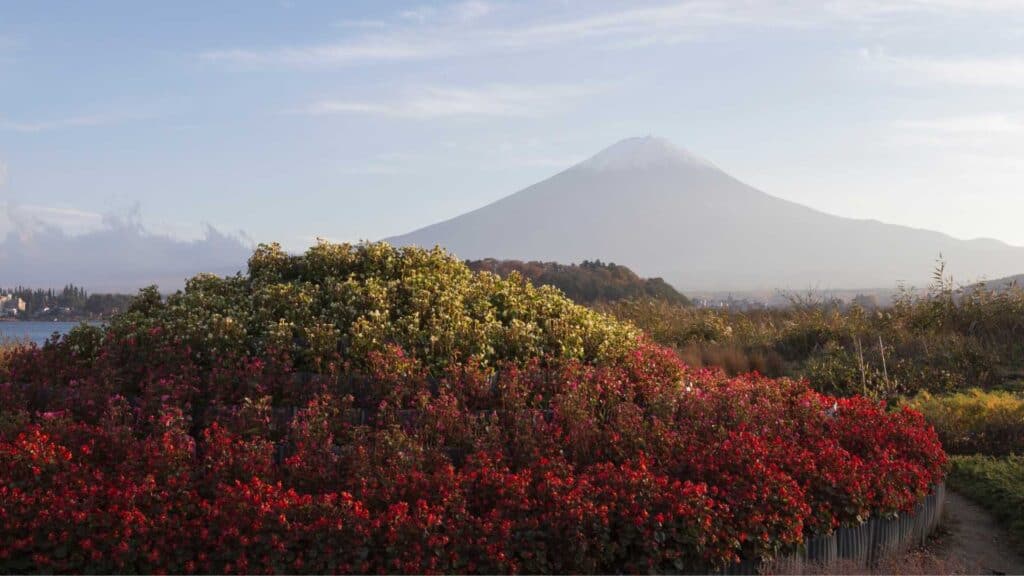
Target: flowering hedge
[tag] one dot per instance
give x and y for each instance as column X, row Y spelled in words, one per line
column 149, row 447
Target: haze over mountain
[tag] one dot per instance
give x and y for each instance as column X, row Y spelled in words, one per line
column 999, row 284
column 119, row 257
column 663, row 211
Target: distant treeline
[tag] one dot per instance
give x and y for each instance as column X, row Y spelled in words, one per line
column 589, row 282
column 73, row 302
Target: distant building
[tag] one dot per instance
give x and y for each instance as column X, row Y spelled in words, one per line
column 11, row 306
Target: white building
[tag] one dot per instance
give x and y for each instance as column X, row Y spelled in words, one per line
column 11, row 306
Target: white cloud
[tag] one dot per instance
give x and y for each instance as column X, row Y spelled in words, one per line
column 370, row 49
column 996, row 71
column 658, row 24
column 382, row 165
column 32, row 127
column 439, row 102
column 83, row 121
column 995, row 141
column 3, row 174
column 30, row 218
column 880, row 9
column 471, row 11
column 361, row 23
column 429, row 32
column 992, row 124
column 118, row 255
column 468, row 11
column 429, row 37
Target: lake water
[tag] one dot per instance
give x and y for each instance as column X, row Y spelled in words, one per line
column 36, row 332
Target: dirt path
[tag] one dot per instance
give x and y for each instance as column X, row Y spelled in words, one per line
column 969, row 542
column 974, row 542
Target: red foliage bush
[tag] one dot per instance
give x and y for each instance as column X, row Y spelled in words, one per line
column 140, row 460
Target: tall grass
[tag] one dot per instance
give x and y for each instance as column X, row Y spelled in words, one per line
column 943, row 341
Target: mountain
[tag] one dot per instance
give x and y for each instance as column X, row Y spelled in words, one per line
column 662, row 211
column 121, row 257
column 999, row 284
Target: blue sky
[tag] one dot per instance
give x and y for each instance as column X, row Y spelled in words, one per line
column 359, row 120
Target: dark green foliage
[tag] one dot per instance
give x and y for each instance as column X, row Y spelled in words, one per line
column 589, row 282
column 71, row 302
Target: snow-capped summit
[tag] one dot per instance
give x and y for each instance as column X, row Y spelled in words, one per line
column 642, row 152
column 662, row 211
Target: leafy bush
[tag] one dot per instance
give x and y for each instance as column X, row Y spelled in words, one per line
column 338, row 303
column 975, row 421
column 995, row 483
column 455, row 423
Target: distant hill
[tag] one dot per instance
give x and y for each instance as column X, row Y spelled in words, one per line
column 664, row 212
column 122, row 257
column 589, row 282
column 999, row 284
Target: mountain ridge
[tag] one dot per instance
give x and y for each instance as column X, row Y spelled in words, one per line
column 685, row 219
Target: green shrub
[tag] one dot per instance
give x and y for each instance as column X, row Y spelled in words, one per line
column 339, row 303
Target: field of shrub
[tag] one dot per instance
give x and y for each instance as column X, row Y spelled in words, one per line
column 975, row 421
column 367, row 409
column 943, row 341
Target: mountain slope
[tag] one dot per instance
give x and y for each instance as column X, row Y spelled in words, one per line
column 998, row 284
column 664, row 212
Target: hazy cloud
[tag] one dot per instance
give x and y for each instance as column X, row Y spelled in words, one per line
column 471, row 11
column 879, row 9
column 437, row 102
column 31, row 127
column 117, row 254
column 965, row 137
column 82, row 121
column 31, row 218
column 994, row 124
column 9, row 46
column 429, row 32
column 370, row 49
column 996, row 71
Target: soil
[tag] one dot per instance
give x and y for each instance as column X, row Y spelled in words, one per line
column 973, row 541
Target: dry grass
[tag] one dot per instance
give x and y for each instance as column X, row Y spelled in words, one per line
column 733, row 358
column 7, row 347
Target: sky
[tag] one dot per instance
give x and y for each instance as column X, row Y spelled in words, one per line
column 291, row 120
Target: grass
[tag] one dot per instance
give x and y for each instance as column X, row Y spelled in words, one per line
column 944, row 341
column 997, row 484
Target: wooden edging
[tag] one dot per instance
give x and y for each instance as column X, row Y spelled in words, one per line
column 866, row 545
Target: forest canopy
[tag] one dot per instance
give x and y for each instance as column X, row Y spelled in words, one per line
column 588, row 282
